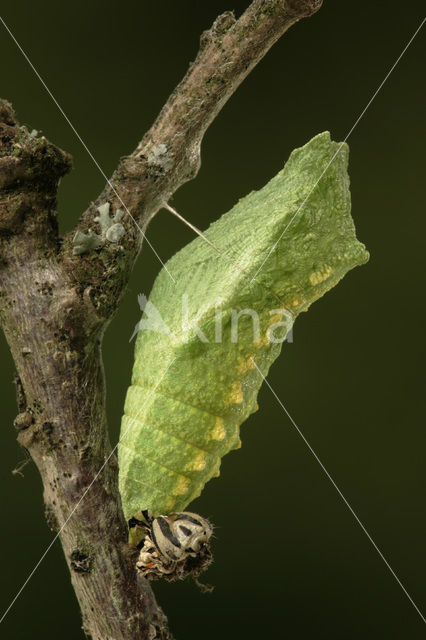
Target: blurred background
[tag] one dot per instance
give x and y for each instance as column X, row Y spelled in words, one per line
column 290, row 560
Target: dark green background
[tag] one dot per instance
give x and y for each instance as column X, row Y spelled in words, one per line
column 290, row 561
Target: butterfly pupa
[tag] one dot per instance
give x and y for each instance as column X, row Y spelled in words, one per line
column 281, row 248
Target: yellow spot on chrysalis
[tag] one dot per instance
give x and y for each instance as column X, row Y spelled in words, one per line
column 218, row 431
column 262, row 342
column 245, row 365
column 238, row 445
column 236, row 395
column 182, row 486
column 169, row 505
column 256, row 407
column 276, row 318
column 198, row 463
column 320, row 276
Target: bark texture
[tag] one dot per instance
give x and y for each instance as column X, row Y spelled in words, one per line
column 58, row 294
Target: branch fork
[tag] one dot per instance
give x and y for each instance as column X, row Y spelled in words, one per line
column 57, row 296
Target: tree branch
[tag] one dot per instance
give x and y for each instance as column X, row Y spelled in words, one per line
column 56, row 298
column 169, row 153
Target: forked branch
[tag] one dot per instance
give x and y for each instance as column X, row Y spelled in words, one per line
column 57, row 295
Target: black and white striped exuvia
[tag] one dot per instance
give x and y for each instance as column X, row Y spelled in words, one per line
column 174, row 546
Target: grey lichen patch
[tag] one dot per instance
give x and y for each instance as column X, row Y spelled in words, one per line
column 111, row 231
column 159, row 157
column 115, row 233
column 85, row 242
column 104, row 218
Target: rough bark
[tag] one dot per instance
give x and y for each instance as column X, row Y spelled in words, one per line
column 55, row 303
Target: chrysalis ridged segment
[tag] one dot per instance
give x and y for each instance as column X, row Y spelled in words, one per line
column 181, row 418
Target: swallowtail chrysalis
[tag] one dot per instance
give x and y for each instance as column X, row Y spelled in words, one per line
column 193, row 385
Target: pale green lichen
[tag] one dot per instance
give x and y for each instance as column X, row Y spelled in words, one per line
column 115, row 233
column 85, row 242
column 111, row 230
column 159, row 157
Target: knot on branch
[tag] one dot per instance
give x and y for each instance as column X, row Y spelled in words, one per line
column 7, row 115
column 303, row 8
column 27, row 158
column 218, row 29
column 23, row 420
column 30, row 169
column 81, row 562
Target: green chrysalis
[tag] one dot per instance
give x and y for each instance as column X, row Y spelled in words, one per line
column 196, row 382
